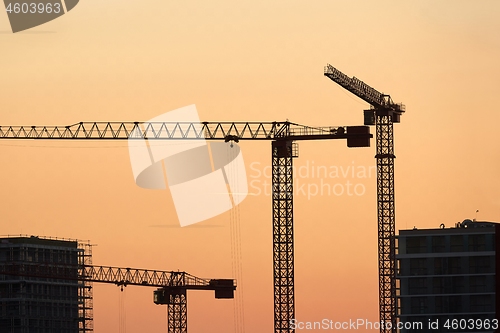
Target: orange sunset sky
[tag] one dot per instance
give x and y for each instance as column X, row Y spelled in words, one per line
column 250, row 61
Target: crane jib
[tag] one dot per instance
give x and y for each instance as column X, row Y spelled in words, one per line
column 370, row 95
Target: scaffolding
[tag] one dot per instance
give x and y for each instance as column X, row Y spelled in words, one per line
column 85, row 300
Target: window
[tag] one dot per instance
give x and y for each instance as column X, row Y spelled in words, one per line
column 417, row 286
column 454, row 265
column 440, row 266
column 416, row 244
column 480, row 303
column 477, row 242
column 438, row 285
column 418, row 305
column 456, row 243
column 480, row 264
column 417, row 266
column 455, row 304
column 438, row 244
column 477, row 284
column 457, row 285
column 440, row 304
column 448, row 285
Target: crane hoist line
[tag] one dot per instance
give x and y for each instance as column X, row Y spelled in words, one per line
column 283, row 149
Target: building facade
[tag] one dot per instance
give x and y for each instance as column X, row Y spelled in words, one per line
column 447, row 278
column 39, row 301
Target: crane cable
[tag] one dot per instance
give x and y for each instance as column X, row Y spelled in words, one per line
column 236, row 253
column 122, row 319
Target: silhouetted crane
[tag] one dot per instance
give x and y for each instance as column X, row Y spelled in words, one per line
column 282, row 136
column 383, row 113
column 172, row 286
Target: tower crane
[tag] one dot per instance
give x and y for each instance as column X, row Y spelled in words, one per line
column 172, row 286
column 382, row 113
column 284, row 148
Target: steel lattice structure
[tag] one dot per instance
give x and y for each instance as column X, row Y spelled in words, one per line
column 106, row 274
column 174, row 130
column 177, row 312
column 282, row 135
column 283, row 268
column 386, row 220
column 86, row 310
column 383, row 114
column 172, row 285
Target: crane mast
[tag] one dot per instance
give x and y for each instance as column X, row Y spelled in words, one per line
column 284, row 148
column 383, row 113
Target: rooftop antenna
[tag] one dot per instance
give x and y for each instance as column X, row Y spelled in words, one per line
column 475, row 218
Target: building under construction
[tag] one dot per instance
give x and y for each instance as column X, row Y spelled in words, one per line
column 44, row 304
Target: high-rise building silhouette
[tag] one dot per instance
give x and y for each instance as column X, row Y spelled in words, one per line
column 447, row 278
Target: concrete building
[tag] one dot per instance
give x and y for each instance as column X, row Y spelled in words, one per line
column 447, row 278
column 43, row 303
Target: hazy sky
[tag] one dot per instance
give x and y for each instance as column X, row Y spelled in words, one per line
column 253, row 60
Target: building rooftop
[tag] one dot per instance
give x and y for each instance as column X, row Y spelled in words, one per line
column 466, row 226
column 40, row 240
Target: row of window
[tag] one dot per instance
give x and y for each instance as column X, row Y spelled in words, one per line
column 452, row 243
column 447, row 265
column 38, row 309
column 33, row 254
column 21, row 325
column 450, row 285
column 448, row 304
